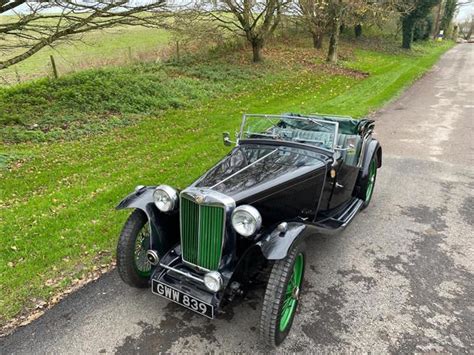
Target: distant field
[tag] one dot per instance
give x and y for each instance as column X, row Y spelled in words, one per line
column 110, row 47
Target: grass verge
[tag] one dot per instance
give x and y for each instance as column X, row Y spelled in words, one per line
column 57, row 218
column 95, row 101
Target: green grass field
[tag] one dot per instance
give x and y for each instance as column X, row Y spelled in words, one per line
column 57, row 196
column 93, row 49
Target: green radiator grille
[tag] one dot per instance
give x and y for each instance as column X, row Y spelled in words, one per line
column 202, row 233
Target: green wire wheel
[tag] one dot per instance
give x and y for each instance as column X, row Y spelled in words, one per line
column 142, row 244
column 134, row 241
column 370, row 183
column 292, row 294
column 282, row 296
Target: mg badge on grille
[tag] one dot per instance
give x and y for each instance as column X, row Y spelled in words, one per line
column 199, row 199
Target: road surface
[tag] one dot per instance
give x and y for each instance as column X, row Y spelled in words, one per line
column 398, row 279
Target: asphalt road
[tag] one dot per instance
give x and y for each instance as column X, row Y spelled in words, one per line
column 398, row 279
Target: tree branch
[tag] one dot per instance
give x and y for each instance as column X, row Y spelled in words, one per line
column 37, row 29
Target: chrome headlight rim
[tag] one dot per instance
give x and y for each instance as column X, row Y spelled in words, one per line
column 173, row 198
column 216, row 281
column 254, row 217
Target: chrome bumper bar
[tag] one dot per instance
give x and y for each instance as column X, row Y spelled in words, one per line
column 183, row 273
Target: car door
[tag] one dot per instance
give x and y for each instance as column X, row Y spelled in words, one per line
column 344, row 183
column 346, row 171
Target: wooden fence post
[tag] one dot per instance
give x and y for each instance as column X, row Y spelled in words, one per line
column 177, row 51
column 53, row 65
column 18, row 79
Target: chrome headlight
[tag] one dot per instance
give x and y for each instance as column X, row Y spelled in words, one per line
column 213, row 281
column 166, row 198
column 246, row 220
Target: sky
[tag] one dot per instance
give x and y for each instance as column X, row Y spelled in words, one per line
column 465, row 12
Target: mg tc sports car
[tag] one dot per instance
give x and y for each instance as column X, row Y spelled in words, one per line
column 287, row 178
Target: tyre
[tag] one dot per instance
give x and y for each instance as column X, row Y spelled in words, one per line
column 134, row 241
column 282, row 296
column 370, row 183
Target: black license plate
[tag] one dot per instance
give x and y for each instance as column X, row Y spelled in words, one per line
column 183, row 299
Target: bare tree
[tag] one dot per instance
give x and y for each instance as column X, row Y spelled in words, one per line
column 314, row 14
column 336, row 11
column 353, row 12
column 373, row 13
column 339, row 10
column 466, row 28
column 255, row 20
column 35, row 25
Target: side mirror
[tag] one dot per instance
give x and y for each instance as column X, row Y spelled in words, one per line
column 226, row 138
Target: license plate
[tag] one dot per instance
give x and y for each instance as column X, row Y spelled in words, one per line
column 183, row 299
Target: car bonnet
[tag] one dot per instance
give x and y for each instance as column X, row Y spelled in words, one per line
column 258, row 167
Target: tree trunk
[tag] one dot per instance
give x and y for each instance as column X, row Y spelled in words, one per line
column 256, row 49
column 333, row 41
column 408, row 24
column 436, row 26
column 318, row 40
column 358, row 30
column 449, row 10
column 342, row 28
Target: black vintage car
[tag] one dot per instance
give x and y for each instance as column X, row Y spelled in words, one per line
column 287, row 178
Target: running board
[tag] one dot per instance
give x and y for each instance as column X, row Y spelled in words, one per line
column 340, row 220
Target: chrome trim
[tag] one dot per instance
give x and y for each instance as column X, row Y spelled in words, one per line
column 217, row 276
column 253, row 212
column 209, row 198
column 282, row 227
column 365, row 140
column 172, row 193
column 300, row 145
column 186, row 274
column 243, row 169
column 336, row 132
column 139, row 187
column 330, row 115
column 349, row 218
column 152, row 257
column 348, row 209
column 242, row 125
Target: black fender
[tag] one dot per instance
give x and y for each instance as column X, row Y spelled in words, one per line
column 164, row 227
column 373, row 149
column 276, row 244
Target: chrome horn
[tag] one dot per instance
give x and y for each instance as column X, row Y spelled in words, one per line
column 152, row 257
